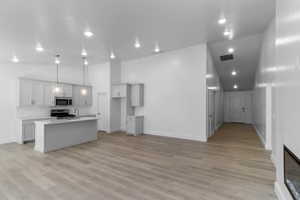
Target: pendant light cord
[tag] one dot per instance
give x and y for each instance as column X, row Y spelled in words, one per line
column 57, row 74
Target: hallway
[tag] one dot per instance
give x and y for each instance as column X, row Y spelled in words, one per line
column 237, row 135
column 246, row 159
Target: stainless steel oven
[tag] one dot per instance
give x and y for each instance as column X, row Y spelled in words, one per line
column 63, row 101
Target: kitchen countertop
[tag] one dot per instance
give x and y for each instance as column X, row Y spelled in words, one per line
column 47, row 117
column 63, row 121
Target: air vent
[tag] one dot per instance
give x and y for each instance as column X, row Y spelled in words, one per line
column 226, row 57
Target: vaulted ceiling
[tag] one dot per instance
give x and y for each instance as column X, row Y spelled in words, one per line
column 59, row 25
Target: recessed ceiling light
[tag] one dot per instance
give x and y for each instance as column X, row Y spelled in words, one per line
column 230, row 50
column 88, row 34
column 137, row 44
column 226, row 32
column 83, row 53
column 15, row 59
column 156, row 49
column 112, row 55
column 222, row 20
column 39, row 48
column 235, row 86
column 233, row 73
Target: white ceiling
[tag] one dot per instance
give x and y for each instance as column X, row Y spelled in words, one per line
column 245, row 62
column 58, row 25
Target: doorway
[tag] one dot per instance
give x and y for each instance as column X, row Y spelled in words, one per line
column 102, row 111
column 211, row 112
column 238, row 107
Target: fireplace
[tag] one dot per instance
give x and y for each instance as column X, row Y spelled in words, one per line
column 292, row 173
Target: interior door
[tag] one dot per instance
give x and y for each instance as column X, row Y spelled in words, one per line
column 240, row 107
column 211, row 113
column 236, row 108
column 247, row 108
column 102, row 111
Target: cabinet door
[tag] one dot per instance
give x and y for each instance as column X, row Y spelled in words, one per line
column 49, row 94
column 90, row 97
column 130, row 126
column 25, row 93
column 28, row 131
column 86, row 98
column 37, row 93
column 116, row 93
column 76, row 96
column 67, row 90
column 82, row 99
column 137, row 96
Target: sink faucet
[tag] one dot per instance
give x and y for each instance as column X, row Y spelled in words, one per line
column 76, row 111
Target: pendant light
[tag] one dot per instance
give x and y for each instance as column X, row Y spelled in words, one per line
column 83, row 91
column 57, row 62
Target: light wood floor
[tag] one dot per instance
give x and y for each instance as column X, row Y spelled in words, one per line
column 231, row 166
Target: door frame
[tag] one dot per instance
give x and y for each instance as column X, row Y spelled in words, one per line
column 105, row 110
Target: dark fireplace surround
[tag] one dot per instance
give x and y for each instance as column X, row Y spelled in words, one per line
column 292, row 173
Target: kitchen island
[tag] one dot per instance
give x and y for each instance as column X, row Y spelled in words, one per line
column 54, row 134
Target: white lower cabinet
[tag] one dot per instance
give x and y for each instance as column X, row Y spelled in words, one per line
column 135, row 125
column 28, row 131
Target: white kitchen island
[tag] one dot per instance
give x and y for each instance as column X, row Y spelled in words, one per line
column 54, row 134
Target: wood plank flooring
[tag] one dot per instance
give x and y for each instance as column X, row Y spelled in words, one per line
column 231, row 166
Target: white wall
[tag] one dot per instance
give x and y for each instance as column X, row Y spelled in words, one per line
column 8, row 85
column 175, row 92
column 213, row 83
column 262, row 104
column 115, row 104
column 99, row 78
column 286, row 86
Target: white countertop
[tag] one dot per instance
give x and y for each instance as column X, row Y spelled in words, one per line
column 47, row 117
column 63, row 121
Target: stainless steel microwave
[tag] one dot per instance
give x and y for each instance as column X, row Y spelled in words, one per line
column 63, row 101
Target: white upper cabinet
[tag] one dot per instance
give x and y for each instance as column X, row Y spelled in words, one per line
column 25, row 95
column 41, row 93
column 37, row 98
column 49, row 96
column 137, row 95
column 82, row 96
column 66, row 90
column 119, row 91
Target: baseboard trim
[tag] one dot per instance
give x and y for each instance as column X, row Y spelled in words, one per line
column 278, row 191
column 218, row 126
column 273, row 159
column 260, row 136
column 6, row 140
